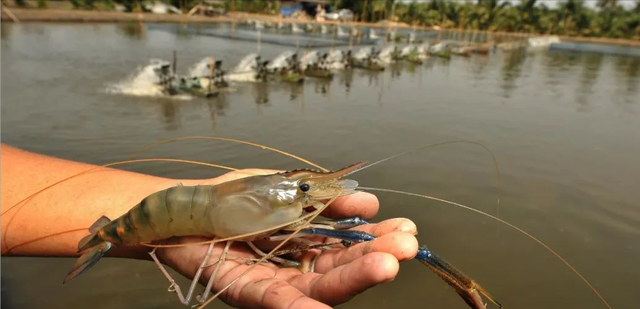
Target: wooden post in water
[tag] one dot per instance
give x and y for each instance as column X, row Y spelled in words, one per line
column 233, row 30
column 333, row 37
column 175, row 62
column 350, row 39
column 212, row 69
column 259, row 36
column 302, row 64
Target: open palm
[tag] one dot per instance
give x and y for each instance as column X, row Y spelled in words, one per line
column 339, row 274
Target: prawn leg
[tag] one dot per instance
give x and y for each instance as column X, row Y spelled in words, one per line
column 221, row 261
column 174, row 287
column 274, row 258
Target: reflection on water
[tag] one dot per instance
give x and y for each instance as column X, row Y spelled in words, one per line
column 512, row 70
column 132, row 29
column 345, row 78
column 169, row 111
column 5, row 32
column 631, row 74
column 217, row 107
column 588, row 77
column 564, row 128
column 321, row 85
column 261, row 93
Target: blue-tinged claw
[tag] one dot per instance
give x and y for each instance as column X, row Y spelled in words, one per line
column 343, row 224
column 347, row 223
column 468, row 289
column 349, row 235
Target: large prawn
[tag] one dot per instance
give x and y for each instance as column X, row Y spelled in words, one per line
column 276, row 207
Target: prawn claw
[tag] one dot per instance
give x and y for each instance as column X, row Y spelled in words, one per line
column 466, row 287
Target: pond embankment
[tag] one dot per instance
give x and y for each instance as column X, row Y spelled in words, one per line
column 68, row 15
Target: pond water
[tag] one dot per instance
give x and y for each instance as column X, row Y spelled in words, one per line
column 565, row 129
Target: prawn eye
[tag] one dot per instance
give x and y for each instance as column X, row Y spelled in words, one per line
column 305, row 187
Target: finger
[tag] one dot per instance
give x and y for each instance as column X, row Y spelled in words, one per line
column 343, row 283
column 390, row 225
column 402, row 246
column 360, row 204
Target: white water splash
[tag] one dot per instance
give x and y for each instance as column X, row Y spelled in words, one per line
column 200, row 69
column 423, row 50
column 336, row 60
column 438, row 47
column 363, row 53
column 386, row 54
column 309, row 59
column 405, row 51
column 246, row 70
column 341, row 32
column 372, row 34
column 282, row 61
column 295, row 28
column 145, row 82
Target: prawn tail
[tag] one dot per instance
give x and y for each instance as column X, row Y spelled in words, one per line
column 88, row 259
column 98, row 248
column 92, row 240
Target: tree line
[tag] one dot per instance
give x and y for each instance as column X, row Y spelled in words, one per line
column 569, row 17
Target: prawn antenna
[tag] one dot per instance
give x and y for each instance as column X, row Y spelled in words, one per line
column 225, row 139
column 493, row 157
column 540, row 242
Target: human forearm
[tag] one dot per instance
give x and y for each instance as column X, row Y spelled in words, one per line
column 51, row 223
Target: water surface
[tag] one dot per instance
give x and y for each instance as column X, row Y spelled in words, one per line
column 564, row 128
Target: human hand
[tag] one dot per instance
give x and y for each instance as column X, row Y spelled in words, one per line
column 339, row 275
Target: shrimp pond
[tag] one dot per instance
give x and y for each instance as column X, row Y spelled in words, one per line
column 565, row 129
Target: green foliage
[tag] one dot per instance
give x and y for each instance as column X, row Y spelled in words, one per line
column 254, row 6
column 89, row 4
column 83, row 4
column 21, row 3
column 129, row 5
column 570, row 17
column 184, row 5
column 42, row 4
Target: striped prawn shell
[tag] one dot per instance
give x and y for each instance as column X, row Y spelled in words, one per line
column 171, row 212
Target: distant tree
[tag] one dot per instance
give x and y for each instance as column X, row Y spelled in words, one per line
column 607, row 4
column 129, row 5
column 76, row 4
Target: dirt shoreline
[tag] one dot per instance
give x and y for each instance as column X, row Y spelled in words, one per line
column 70, row 16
